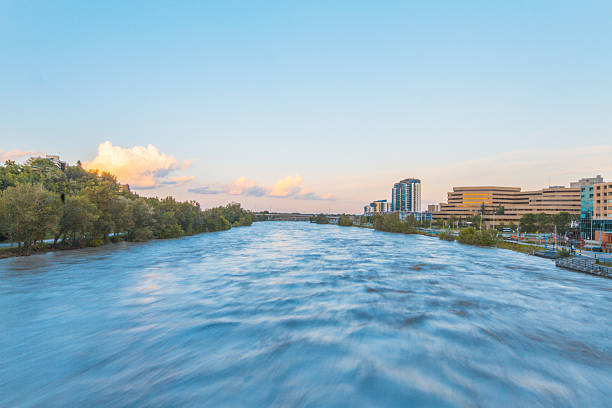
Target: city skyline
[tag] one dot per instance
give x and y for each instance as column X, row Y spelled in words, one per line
column 317, row 107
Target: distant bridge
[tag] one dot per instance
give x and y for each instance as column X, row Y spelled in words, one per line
column 293, row 217
column 284, row 216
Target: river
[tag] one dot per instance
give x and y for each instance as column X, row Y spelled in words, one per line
column 296, row 314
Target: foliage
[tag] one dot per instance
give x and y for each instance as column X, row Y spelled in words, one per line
column 391, row 223
column 500, row 210
column 545, row 223
column 345, row 220
column 79, row 208
column 446, row 236
column 319, row 219
column 474, row 237
column 28, row 212
column 528, row 223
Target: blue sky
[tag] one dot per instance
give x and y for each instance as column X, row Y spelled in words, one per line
column 343, row 97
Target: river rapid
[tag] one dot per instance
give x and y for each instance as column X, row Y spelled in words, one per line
column 301, row 315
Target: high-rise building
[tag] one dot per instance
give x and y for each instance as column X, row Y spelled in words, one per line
column 406, row 196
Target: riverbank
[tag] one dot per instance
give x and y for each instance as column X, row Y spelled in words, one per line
column 525, row 249
column 11, row 252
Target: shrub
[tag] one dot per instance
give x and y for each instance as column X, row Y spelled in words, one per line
column 446, row 236
column 481, row 238
column 319, row 219
column 345, row 220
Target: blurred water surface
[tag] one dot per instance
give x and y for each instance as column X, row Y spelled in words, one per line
column 294, row 314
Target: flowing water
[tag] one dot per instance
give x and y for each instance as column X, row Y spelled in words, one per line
column 295, row 314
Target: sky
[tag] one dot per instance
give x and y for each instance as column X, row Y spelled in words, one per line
column 311, row 106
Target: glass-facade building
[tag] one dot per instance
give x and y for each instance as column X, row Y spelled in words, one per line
column 588, row 222
column 406, row 196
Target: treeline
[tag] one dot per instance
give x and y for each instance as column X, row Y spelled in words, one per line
column 319, row 219
column 77, row 208
column 393, row 223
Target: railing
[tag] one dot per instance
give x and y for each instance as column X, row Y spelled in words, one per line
column 586, row 265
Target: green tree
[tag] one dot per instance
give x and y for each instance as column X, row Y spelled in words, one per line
column 500, row 210
column 562, row 221
column 319, row 219
column 28, row 212
column 481, row 238
column 78, row 217
column 345, row 220
column 544, row 223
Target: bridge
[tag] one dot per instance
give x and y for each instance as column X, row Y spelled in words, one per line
column 333, row 219
column 284, row 216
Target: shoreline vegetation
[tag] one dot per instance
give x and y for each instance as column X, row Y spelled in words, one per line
column 467, row 236
column 43, row 208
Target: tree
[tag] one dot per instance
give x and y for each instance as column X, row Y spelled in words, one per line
column 500, row 210
column 28, row 212
column 345, row 220
column 319, row 219
column 481, row 238
column 544, row 222
column 562, row 221
column 391, row 223
column 78, row 217
column 528, row 223
column 439, row 223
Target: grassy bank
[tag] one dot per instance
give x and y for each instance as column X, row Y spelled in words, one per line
column 526, row 249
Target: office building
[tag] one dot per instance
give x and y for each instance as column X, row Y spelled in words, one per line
column 586, row 181
column 596, row 211
column 507, row 204
column 406, row 196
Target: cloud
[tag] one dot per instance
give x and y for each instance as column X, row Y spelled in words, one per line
column 178, row 180
column 287, row 187
column 139, row 166
column 17, row 155
column 242, row 186
column 204, row 190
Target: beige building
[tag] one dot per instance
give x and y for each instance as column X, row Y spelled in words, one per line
column 602, row 201
column 377, row 207
column 467, row 201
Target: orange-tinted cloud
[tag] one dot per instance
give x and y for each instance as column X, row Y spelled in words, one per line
column 286, row 187
column 139, row 166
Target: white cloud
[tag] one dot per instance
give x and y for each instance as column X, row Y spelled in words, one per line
column 286, row 187
column 139, row 166
column 18, row 155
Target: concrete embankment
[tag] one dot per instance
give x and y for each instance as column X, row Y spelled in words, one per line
column 586, row 265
